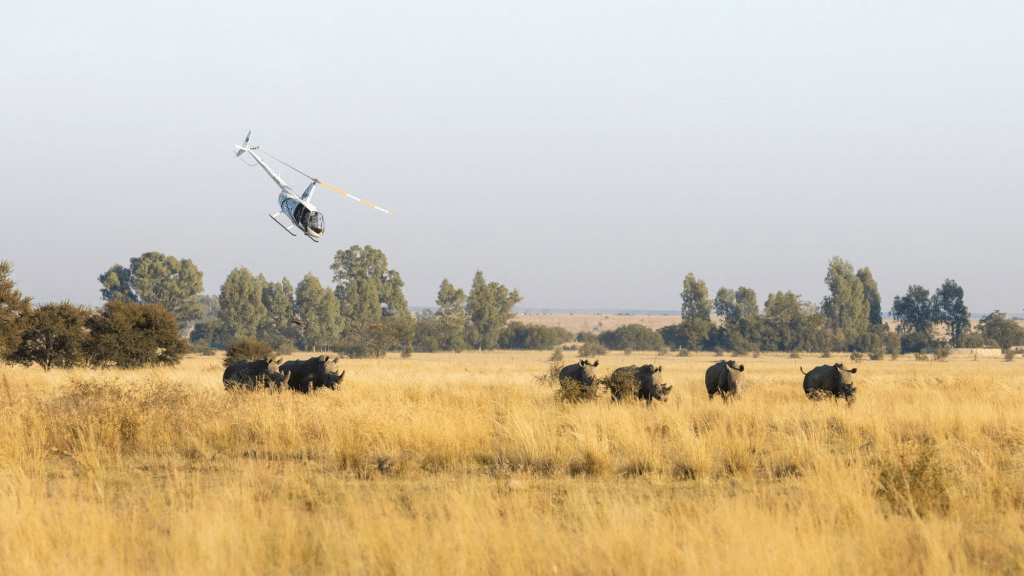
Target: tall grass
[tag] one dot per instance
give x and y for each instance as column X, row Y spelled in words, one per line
column 467, row 464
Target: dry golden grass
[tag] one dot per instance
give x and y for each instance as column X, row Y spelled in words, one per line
column 465, row 464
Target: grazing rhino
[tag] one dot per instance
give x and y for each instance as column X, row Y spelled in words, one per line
column 645, row 381
column 317, row 372
column 582, row 372
column 835, row 381
column 252, row 374
column 725, row 378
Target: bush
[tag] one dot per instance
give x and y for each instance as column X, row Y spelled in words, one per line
column 519, row 336
column 856, row 356
column 557, row 356
column 247, row 349
column 592, row 349
column 914, row 484
column 130, row 335
column 622, row 386
column 573, row 391
column 631, row 337
column 54, row 336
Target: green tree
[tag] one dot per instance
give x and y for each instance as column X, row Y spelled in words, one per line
column 154, row 278
column 366, row 288
column 949, row 309
column 451, row 317
column 319, row 313
column 14, row 311
column 488, row 308
column 131, row 335
column 1001, row 328
column 871, row 295
column 365, row 338
column 54, row 336
column 741, row 322
column 696, row 314
column 427, row 337
column 241, row 303
column 846, row 307
column 915, row 313
column 279, row 327
column 792, row 324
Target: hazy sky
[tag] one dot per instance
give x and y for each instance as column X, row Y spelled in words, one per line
column 590, row 154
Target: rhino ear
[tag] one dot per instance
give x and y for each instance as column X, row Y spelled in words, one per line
column 740, row 368
column 583, row 363
column 853, row 370
column 595, row 363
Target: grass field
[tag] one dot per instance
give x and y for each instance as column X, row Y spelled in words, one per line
column 465, row 464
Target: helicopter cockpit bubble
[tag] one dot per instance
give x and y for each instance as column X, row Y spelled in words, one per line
column 315, row 223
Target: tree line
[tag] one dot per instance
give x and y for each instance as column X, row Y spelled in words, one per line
column 154, row 309
column 849, row 318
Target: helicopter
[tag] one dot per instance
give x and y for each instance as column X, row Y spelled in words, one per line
column 299, row 209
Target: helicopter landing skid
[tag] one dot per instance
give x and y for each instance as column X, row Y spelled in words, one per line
column 287, row 229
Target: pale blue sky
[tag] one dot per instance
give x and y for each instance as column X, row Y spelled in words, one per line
column 590, row 154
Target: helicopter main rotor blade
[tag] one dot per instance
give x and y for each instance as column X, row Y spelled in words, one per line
column 388, row 212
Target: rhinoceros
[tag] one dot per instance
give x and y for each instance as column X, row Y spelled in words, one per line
column 252, row 374
column 725, row 378
column 316, row 372
column 582, row 372
column 645, row 381
column 835, row 381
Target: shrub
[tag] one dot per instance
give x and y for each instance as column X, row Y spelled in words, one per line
column 130, row 335
column 573, row 391
column 856, row 356
column 54, row 336
column 247, row 349
column 631, row 337
column 592, row 349
column 557, row 356
column 519, row 336
column 915, row 484
column 622, row 386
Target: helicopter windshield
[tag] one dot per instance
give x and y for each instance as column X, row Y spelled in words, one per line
column 316, row 223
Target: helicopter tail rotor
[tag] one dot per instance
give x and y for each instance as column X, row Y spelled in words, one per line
column 245, row 145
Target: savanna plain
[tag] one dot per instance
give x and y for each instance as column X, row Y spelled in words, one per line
column 468, row 464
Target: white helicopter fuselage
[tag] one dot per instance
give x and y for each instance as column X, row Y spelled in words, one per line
column 300, row 210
